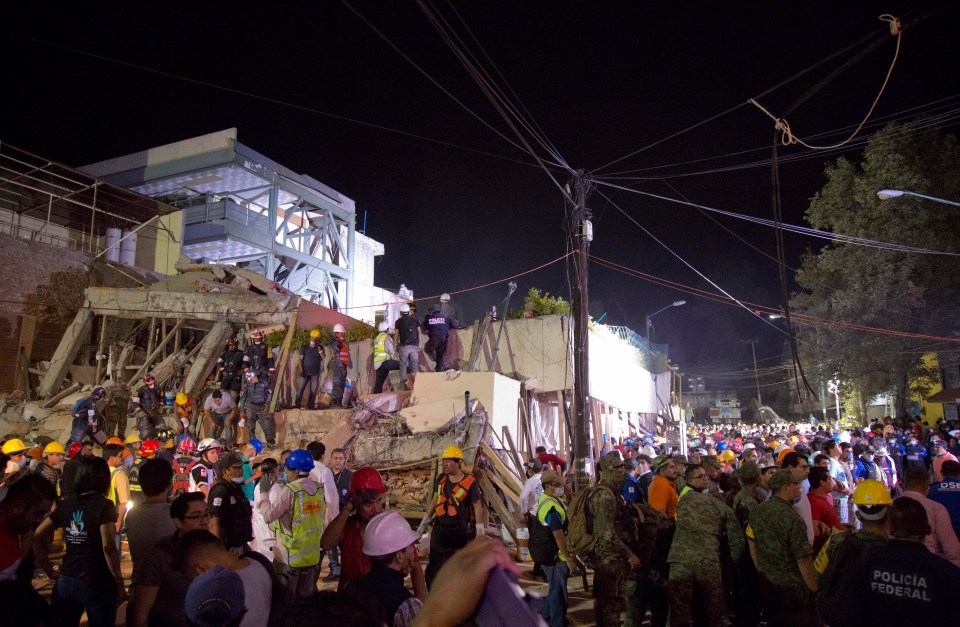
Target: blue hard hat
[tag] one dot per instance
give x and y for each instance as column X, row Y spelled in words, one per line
column 99, row 392
column 721, row 447
column 300, row 460
column 257, row 444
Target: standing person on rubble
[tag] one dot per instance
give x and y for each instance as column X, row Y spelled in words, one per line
column 341, row 478
column 384, row 356
column 455, row 509
column 85, row 415
column 437, row 326
column 340, row 362
column 446, row 307
column 408, row 332
column 258, row 357
column 116, row 409
column 149, row 403
column 311, row 360
column 254, row 406
column 230, row 364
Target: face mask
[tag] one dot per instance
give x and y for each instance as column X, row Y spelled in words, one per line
column 869, row 458
column 23, row 463
column 257, row 342
column 795, row 501
column 558, row 492
column 237, row 479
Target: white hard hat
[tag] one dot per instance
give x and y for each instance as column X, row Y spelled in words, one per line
column 383, row 326
column 845, row 436
column 404, row 308
column 338, row 328
column 444, row 298
column 388, row 533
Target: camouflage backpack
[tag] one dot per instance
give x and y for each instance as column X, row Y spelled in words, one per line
column 580, row 539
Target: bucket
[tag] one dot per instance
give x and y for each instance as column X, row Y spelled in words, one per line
column 523, row 541
column 168, row 398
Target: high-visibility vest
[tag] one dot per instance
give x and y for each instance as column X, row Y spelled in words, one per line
column 344, row 352
column 544, row 505
column 113, row 496
column 303, row 545
column 449, row 507
column 380, row 349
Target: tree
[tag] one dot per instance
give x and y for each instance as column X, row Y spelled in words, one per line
column 880, row 287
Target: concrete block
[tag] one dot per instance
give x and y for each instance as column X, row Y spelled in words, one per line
column 433, row 416
column 304, row 424
column 497, row 394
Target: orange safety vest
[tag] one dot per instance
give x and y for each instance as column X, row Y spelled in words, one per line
column 448, row 506
column 344, row 353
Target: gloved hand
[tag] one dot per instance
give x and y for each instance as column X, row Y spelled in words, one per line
column 424, row 524
column 185, row 422
column 242, row 423
column 480, row 529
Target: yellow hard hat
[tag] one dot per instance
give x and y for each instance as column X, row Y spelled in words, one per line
column 132, row 439
column 794, row 439
column 728, row 455
column 53, row 447
column 452, row 452
column 315, row 333
column 182, row 398
column 15, row 445
column 871, row 492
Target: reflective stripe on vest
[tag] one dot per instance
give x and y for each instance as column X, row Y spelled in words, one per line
column 449, row 507
column 344, row 353
column 303, row 547
column 544, row 506
column 113, row 485
column 380, row 349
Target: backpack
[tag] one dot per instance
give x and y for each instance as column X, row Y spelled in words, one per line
column 837, row 594
column 580, row 539
column 181, row 478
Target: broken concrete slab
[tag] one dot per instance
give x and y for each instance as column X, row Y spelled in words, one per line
column 499, row 395
column 370, row 448
column 373, row 405
column 308, row 425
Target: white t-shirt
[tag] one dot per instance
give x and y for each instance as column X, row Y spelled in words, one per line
column 530, row 495
column 226, row 404
column 803, row 508
column 322, row 475
column 257, row 591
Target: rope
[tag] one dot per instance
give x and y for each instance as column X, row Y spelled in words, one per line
column 781, row 124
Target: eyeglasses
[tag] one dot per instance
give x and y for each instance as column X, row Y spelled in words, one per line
column 698, row 477
column 206, row 515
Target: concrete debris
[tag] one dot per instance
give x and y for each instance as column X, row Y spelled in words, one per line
column 373, row 406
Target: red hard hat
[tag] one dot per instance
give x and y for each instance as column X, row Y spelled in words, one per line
column 149, row 447
column 74, row 450
column 367, row 479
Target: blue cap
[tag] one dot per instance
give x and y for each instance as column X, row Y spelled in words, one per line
column 214, row 598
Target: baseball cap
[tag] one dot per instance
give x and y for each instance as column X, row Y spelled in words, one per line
column 781, row 478
column 550, row 476
column 214, row 598
column 229, row 460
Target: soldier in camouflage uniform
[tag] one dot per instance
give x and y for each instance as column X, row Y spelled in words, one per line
column 116, row 409
column 680, row 462
column 254, row 406
column 703, row 523
column 746, row 609
column 747, row 499
column 616, row 534
column 712, row 466
column 779, row 548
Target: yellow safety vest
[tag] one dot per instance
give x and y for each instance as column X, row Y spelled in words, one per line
column 380, row 349
column 113, row 496
column 303, row 546
column 545, row 504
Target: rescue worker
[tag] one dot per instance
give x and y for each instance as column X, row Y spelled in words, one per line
column 186, row 411
column 408, row 336
column 85, row 415
column 437, row 327
column 220, row 415
column 132, row 444
column 901, row 582
column 705, row 525
column 204, row 474
column 295, row 511
column 148, row 401
column 615, row 560
column 455, row 509
column 548, row 547
column 346, row 531
column 182, row 464
column 230, row 365
column 446, row 307
column 148, row 450
column 232, row 519
column 258, row 357
column 662, row 495
column 117, row 408
column 167, row 439
column 384, row 356
column 254, row 406
column 311, row 360
column 52, row 465
column 119, row 492
column 712, row 465
column 745, row 606
column 782, row 554
column 340, row 361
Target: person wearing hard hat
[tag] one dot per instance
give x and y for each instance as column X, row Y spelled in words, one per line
column 340, row 361
column 384, row 356
column 311, row 361
column 346, row 531
column 17, row 460
column 392, row 548
column 52, row 465
column 186, row 411
column 117, row 408
column 446, row 307
column 85, row 415
column 148, row 450
column 408, row 337
column 230, row 366
column 437, row 326
column 148, row 402
column 75, row 452
column 455, row 509
column 258, row 357
column 297, row 508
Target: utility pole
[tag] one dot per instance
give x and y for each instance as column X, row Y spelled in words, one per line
column 580, row 231
column 755, row 373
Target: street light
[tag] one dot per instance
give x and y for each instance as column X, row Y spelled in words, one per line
column 675, row 303
column 887, row 194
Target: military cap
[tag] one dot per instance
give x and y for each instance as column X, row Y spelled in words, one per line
column 767, row 462
column 550, row 476
column 781, row 478
column 747, row 470
column 611, row 459
column 710, row 460
column 659, row 462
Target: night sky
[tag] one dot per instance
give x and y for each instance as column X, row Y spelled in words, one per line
column 600, row 79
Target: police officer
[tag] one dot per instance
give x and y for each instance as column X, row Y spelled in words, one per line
column 616, row 534
column 258, row 357
column 231, row 364
column 232, row 519
column 117, row 407
column 254, row 406
column 408, row 336
column 455, row 509
column 148, row 402
column 437, row 326
column 703, row 523
column 85, row 415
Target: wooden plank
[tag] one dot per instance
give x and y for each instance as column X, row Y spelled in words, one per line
column 503, row 486
column 491, row 496
column 513, row 450
column 505, row 473
column 53, row 400
column 282, row 356
column 142, row 370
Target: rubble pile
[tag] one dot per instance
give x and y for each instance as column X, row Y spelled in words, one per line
column 410, row 490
